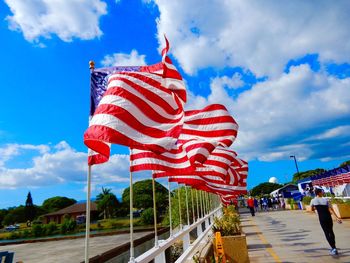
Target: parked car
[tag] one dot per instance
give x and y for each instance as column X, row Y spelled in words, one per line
column 12, row 227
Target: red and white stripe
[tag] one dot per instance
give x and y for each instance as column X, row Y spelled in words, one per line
column 237, row 173
column 220, row 160
column 141, row 110
column 174, row 160
column 202, row 131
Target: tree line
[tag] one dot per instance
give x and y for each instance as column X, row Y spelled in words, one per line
column 108, row 204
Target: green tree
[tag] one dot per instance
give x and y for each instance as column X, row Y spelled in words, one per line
column 56, row 203
column 143, row 195
column 264, row 188
column 29, row 208
column 3, row 213
column 345, row 163
column 15, row 215
column 175, row 206
column 107, row 203
column 306, row 174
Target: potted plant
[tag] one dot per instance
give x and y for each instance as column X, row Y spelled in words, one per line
column 306, row 201
column 233, row 239
column 341, row 208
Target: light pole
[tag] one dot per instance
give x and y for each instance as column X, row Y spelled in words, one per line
column 296, row 164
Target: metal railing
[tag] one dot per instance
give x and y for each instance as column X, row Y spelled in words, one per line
column 157, row 253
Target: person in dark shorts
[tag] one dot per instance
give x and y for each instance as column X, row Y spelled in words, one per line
column 324, row 210
column 250, row 204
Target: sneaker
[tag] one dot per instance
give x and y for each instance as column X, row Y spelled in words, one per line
column 333, row 252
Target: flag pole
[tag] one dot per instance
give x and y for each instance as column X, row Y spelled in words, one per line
column 193, row 215
column 132, row 257
column 87, row 217
column 170, row 219
column 187, row 212
column 88, row 196
column 200, row 200
column 179, row 197
column 154, row 213
column 197, row 204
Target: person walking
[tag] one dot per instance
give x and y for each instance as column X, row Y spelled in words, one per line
column 250, row 204
column 324, row 210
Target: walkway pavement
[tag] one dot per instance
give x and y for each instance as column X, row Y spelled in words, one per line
column 292, row 236
column 68, row 250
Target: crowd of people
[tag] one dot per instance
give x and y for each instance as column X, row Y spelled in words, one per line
column 264, row 204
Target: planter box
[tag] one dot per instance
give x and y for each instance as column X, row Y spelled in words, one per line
column 342, row 210
column 290, row 207
column 308, row 208
column 235, row 248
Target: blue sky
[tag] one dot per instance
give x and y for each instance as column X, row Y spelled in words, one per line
column 284, row 78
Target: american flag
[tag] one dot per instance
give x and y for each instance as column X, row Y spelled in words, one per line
column 202, row 131
column 141, row 108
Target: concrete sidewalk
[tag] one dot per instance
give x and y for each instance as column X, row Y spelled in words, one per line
column 292, row 236
column 68, row 250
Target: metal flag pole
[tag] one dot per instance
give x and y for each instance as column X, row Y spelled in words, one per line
column 132, row 257
column 200, row 200
column 187, row 212
column 154, row 213
column 170, row 218
column 87, row 217
column 179, row 197
column 197, row 204
column 193, row 215
column 88, row 196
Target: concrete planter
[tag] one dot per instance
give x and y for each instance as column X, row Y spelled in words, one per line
column 342, row 210
column 308, row 208
column 235, row 248
column 290, row 207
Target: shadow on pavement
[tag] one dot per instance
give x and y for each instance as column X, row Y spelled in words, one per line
column 258, row 246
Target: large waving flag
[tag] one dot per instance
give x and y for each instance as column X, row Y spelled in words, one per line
column 237, row 173
column 203, row 130
column 142, row 108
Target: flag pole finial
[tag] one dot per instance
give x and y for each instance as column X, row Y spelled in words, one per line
column 91, row 64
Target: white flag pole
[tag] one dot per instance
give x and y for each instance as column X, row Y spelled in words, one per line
column 200, row 200
column 197, row 204
column 154, row 213
column 187, row 212
column 179, row 197
column 193, row 215
column 88, row 196
column 170, row 218
column 87, row 216
column 132, row 256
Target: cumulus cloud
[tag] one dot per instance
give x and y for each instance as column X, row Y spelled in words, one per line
column 261, row 36
column 58, row 164
column 122, row 59
column 66, row 19
column 296, row 113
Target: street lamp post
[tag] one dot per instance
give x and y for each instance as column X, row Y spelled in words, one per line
column 296, row 164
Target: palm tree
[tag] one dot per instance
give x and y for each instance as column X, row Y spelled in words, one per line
column 107, row 202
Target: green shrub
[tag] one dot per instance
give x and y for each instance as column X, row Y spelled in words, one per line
column 336, row 201
column 228, row 225
column 50, row 228
column 26, row 233
column 38, row 230
column 147, row 216
column 68, row 226
column 15, row 235
column 307, row 200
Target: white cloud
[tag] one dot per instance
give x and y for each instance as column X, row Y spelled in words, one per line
column 66, row 19
column 258, row 35
column 122, row 59
column 12, row 150
column 277, row 116
column 233, row 82
column 59, row 164
column 339, row 131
